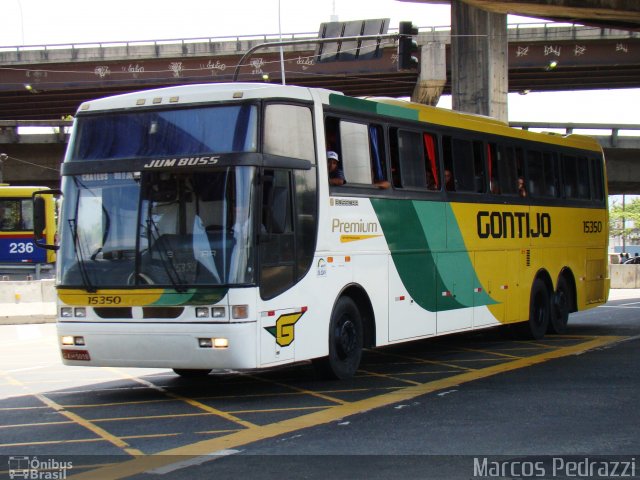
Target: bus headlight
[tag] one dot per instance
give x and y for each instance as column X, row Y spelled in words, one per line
column 72, row 340
column 217, row 342
column 202, row 312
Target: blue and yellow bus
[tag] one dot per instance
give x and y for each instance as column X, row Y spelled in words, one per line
column 199, row 230
column 17, row 243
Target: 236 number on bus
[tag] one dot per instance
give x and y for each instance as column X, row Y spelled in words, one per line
column 21, row 247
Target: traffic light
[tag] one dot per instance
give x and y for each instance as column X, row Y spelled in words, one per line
column 407, row 47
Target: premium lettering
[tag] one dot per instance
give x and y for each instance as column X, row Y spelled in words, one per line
column 513, row 225
column 353, row 227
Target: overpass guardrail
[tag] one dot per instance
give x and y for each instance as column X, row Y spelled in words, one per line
column 534, row 31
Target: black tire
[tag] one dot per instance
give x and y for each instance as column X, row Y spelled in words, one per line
column 539, row 312
column 345, row 342
column 191, row 373
column 562, row 303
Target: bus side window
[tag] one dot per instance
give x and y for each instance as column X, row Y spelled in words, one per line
column 363, row 154
column 468, row 169
column 597, row 189
column 332, row 135
column 550, row 164
column 507, row 170
column 535, row 173
column 356, row 161
column 492, row 169
column 378, row 156
column 448, row 179
column 412, row 167
column 431, row 150
column 584, row 191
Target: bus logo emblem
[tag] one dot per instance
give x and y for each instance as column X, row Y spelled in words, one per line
column 283, row 331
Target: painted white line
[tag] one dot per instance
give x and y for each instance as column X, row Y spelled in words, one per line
column 192, row 462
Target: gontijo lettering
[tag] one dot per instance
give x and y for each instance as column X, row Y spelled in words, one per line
column 513, row 225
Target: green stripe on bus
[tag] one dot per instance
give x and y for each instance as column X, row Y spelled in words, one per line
column 414, row 235
column 372, row 107
column 193, row 296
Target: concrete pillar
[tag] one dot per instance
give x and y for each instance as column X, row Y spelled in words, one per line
column 479, row 61
column 433, row 74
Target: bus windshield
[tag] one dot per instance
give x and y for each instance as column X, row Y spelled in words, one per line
column 158, row 228
column 186, row 131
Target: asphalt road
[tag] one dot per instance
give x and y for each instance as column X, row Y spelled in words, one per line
column 465, row 406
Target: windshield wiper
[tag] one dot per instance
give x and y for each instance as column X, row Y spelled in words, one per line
column 77, row 248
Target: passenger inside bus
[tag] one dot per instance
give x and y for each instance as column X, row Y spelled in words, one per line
column 336, row 175
column 449, row 183
column 522, row 190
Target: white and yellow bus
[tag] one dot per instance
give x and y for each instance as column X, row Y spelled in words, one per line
column 199, row 230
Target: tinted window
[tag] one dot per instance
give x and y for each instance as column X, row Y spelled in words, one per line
column 219, row 129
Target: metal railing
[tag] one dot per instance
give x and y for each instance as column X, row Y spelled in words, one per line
column 631, row 130
column 518, row 31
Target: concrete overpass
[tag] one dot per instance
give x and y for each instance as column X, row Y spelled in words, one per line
column 36, row 158
column 624, row 14
column 61, row 77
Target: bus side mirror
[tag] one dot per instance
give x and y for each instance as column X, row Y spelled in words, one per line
column 44, row 218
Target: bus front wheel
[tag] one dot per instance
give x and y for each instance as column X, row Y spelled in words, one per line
column 345, row 341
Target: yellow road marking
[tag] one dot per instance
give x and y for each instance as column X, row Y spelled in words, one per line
column 536, row 344
column 421, row 360
column 100, row 432
column 190, row 401
column 303, row 391
column 488, row 352
column 389, row 377
column 215, row 432
column 246, row 436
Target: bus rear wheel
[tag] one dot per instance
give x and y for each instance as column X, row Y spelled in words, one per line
column 562, row 301
column 191, row 373
column 345, row 341
column 539, row 312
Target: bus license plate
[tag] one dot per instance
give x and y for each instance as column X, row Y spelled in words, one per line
column 76, row 355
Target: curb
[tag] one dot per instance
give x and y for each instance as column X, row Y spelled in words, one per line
column 27, row 319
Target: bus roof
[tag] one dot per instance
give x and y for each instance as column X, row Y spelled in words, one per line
column 194, row 94
column 216, row 92
column 19, row 191
column 439, row 116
